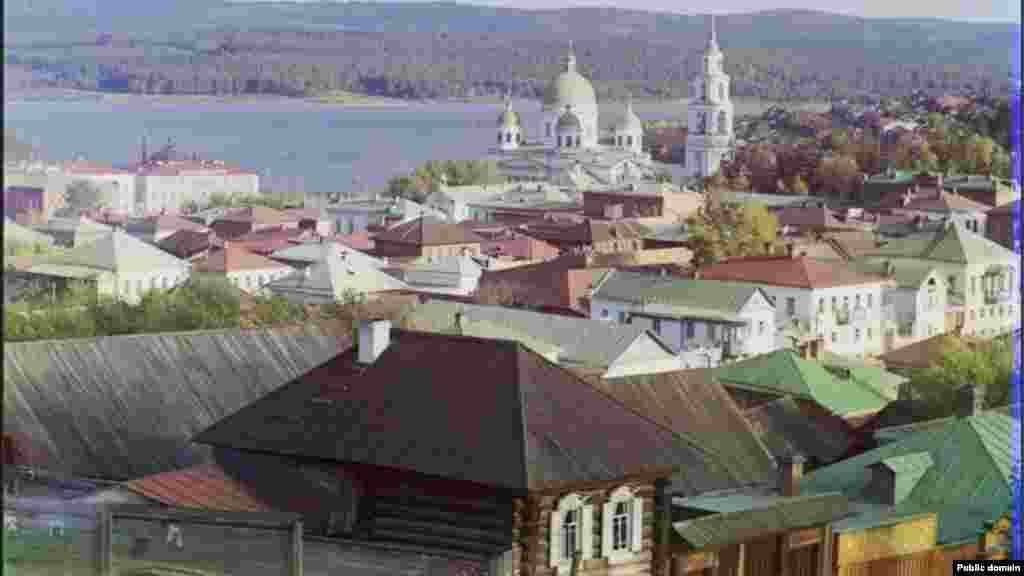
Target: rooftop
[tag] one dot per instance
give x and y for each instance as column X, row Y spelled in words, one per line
column 532, row 426
column 428, row 231
column 795, row 272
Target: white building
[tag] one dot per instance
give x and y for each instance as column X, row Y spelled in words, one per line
column 982, row 277
column 333, row 279
column 118, row 182
column 170, row 184
column 915, row 300
column 566, row 146
column 702, row 320
column 709, row 115
column 246, row 270
column 118, row 264
column 457, row 275
column 815, row 298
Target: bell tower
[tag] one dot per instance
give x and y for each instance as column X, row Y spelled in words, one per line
column 709, row 121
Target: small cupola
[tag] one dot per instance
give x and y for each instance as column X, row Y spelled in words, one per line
column 568, row 129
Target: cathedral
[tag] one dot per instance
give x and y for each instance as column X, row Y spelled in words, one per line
column 567, row 146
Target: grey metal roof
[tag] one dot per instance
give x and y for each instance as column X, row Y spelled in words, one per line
column 334, row 276
column 14, row 232
column 116, row 252
column 584, row 341
column 119, row 407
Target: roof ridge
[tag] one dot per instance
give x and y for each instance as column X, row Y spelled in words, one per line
column 972, row 423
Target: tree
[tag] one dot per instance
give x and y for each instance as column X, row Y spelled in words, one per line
column 837, row 176
column 86, row 195
column 719, row 231
column 988, row 365
column 798, row 187
column 763, row 167
column 739, row 183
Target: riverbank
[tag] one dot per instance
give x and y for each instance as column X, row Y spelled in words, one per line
column 328, row 99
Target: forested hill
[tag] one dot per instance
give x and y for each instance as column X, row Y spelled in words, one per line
column 445, row 49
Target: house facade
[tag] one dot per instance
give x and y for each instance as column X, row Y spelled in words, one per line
column 118, row 265
column 701, row 320
column 814, row 299
column 247, row 271
column 982, row 278
column 1001, row 228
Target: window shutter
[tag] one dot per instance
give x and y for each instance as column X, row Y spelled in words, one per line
column 606, row 529
column 555, row 541
column 586, row 541
column 638, row 524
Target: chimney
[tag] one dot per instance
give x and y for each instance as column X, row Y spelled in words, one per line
column 969, row 401
column 791, row 251
column 791, row 471
column 374, row 337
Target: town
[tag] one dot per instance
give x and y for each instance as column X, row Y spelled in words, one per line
column 750, row 345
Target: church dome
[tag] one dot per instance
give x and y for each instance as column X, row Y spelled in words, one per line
column 570, row 88
column 568, row 121
column 629, row 122
column 508, row 119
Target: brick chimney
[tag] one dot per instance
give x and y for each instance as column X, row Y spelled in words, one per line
column 970, row 400
column 791, row 471
column 374, row 338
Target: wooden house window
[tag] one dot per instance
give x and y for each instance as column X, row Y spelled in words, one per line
column 622, row 525
column 570, row 533
column 571, row 530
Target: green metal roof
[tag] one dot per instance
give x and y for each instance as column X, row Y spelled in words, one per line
column 906, row 273
column 786, row 373
column 967, row 484
column 883, row 382
column 115, row 252
column 917, row 462
column 682, row 297
column 951, row 244
column 782, row 515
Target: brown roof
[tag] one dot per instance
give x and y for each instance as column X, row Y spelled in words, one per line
column 920, row 354
column 1006, row 209
column 796, row 272
column 271, row 240
column 698, row 408
column 852, row 243
column 486, row 411
column 810, row 217
column 233, row 258
column 172, row 222
column 186, row 243
column 546, row 283
column 586, row 232
column 260, row 215
column 930, row 200
column 206, row 486
column 428, row 231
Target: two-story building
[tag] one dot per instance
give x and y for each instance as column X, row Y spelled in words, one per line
column 427, row 237
column 982, row 278
column 914, row 300
column 704, row 321
column 588, row 235
column 244, row 269
column 1001, row 227
column 814, row 298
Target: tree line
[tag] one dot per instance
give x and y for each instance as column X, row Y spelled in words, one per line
column 432, row 59
column 838, row 165
column 427, row 179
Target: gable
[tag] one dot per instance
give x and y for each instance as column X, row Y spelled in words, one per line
column 758, row 301
column 644, row 349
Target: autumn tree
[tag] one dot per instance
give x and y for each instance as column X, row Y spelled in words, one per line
column 720, row 230
column 838, row 176
column 763, row 166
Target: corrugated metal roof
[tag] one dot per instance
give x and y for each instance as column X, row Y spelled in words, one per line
column 123, row 406
column 788, row 428
column 116, row 252
column 967, row 485
column 784, row 372
column 678, row 296
column 780, row 516
column 590, row 342
column 205, row 486
column 915, row 463
column 485, row 411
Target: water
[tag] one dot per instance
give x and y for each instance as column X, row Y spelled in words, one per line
column 293, row 144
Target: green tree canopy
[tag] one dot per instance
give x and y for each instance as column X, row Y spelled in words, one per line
column 988, row 365
column 718, row 231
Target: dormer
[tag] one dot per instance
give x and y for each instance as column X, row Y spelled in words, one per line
column 893, row 479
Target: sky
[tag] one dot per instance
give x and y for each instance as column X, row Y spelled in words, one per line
column 966, row 10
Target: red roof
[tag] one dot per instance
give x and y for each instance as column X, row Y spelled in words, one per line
column 357, row 241
column 187, row 167
column 233, row 258
column 206, row 486
column 796, row 272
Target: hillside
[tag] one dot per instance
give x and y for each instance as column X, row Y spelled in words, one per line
column 430, row 50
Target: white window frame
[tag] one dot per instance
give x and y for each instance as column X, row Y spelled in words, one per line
column 584, row 531
column 635, row 503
